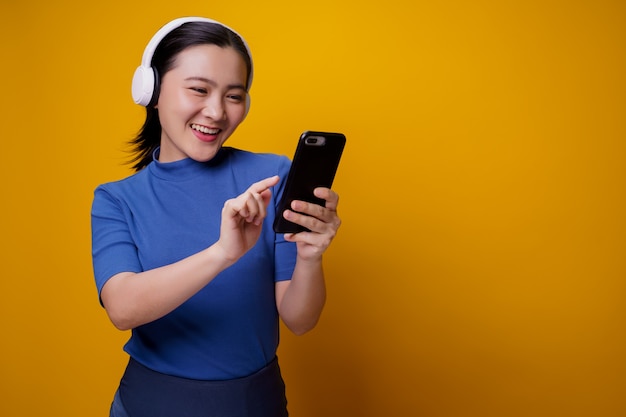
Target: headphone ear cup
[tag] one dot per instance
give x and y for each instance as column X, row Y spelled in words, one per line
column 247, row 105
column 143, row 85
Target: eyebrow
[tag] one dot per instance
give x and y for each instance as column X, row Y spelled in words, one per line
column 213, row 83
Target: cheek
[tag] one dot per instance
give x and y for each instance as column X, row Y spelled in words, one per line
column 171, row 97
column 175, row 109
column 237, row 114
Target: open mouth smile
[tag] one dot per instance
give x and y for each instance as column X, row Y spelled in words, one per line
column 204, row 129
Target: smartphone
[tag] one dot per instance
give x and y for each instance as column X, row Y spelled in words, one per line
column 314, row 164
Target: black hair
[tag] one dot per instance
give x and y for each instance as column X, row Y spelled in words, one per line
column 187, row 35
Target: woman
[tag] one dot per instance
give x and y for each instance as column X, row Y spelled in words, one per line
column 183, row 250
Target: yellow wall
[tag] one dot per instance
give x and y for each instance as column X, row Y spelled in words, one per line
column 480, row 270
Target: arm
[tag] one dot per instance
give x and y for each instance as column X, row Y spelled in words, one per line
column 300, row 301
column 133, row 299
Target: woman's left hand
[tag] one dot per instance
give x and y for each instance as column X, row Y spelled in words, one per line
column 322, row 222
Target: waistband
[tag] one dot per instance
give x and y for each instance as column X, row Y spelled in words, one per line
column 148, row 393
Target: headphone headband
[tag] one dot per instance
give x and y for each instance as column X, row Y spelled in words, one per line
column 144, row 79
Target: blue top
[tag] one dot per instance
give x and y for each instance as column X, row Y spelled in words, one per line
column 169, row 211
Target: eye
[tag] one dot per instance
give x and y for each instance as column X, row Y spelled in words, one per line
column 199, row 90
column 237, row 98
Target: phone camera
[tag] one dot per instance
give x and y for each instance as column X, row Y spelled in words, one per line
column 315, row 141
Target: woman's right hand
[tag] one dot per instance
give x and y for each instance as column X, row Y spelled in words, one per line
column 242, row 219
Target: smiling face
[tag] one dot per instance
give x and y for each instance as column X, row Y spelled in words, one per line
column 202, row 100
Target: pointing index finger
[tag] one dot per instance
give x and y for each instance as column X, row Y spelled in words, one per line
column 260, row 186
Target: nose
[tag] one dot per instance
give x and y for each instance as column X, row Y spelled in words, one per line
column 214, row 108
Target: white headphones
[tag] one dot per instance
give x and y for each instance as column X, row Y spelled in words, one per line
column 144, row 79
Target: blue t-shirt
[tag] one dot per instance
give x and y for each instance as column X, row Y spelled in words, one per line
column 169, row 211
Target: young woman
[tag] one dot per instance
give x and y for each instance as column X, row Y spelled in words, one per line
column 183, row 250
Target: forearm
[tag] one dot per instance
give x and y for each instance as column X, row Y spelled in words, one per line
column 133, row 299
column 302, row 300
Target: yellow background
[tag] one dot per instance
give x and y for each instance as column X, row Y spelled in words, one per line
column 480, row 270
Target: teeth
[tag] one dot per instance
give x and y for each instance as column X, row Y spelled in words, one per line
column 205, row 129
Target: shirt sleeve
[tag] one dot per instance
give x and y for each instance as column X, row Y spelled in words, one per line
column 285, row 252
column 113, row 247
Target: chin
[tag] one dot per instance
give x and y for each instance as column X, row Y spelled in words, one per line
column 205, row 155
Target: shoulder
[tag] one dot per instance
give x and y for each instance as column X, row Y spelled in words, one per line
column 118, row 188
column 255, row 157
column 259, row 163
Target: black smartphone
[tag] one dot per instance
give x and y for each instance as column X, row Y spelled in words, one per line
column 314, row 164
